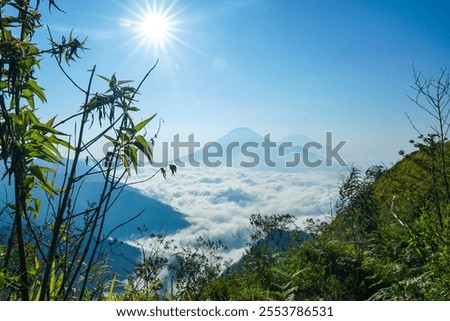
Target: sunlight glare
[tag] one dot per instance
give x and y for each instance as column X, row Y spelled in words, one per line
column 155, row 25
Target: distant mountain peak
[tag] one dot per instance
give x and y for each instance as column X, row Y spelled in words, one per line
column 244, row 131
column 245, row 147
column 241, row 134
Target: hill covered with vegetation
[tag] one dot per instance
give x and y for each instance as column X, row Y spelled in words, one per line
column 388, row 241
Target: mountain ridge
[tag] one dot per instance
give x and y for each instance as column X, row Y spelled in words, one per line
column 246, row 148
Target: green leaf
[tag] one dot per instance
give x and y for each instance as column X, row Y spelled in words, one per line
column 41, row 146
column 111, row 288
column 36, row 207
column 35, row 89
column 143, row 123
column 2, row 280
column 104, row 78
column 113, row 81
column 112, row 140
column 46, row 129
column 132, row 108
column 45, row 184
column 123, row 82
column 125, row 163
column 54, row 139
column 48, row 190
column 143, row 146
column 28, row 95
column 28, row 183
column 47, row 143
column 47, row 156
column 3, row 85
column 51, row 121
column 34, row 137
column 131, row 152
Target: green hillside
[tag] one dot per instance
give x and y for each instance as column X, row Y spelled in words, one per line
column 388, row 241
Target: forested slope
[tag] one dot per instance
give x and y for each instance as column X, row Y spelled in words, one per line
column 388, row 241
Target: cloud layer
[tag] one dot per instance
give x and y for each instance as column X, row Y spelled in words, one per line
column 219, row 201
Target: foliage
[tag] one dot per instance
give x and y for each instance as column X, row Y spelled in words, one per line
column 56, row 253
column 259, row 275
column 195, row 265
column 145, row 283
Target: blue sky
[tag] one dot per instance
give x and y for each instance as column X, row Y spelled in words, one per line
column 279, row 67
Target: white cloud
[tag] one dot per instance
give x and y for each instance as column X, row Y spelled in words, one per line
column 219, row 201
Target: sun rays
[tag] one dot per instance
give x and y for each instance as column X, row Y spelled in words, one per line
column 155, row 26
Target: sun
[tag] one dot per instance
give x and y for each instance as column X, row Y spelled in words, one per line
column 155, row 28
column 155, row 25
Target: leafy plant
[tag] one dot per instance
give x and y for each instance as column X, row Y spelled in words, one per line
column 57, row 254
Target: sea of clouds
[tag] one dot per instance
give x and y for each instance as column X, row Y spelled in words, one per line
column 218, row 202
